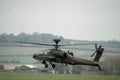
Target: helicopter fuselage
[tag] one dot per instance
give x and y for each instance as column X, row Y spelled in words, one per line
column 60, row 56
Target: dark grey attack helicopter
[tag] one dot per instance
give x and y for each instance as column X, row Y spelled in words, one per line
column 66, row 57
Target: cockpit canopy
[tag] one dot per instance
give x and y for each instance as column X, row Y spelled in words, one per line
column 44, row 51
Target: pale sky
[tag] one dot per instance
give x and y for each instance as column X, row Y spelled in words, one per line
column 73, row 19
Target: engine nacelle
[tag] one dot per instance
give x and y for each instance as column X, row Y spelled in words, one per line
column 61, row 55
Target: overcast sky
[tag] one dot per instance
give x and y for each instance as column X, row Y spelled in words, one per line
column 74, row 19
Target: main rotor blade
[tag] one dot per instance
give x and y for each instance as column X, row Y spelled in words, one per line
column 37, row 43
column 77, row 44
column 57, row 45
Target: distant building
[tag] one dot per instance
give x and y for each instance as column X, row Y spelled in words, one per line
column 1, row 67
column 23, row 68
column 8, row 67
column 27, row 68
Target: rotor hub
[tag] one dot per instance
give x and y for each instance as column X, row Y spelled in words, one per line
column 56, row 41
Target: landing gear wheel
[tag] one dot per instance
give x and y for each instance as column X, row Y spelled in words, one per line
column 46, row 65
column 53, row 65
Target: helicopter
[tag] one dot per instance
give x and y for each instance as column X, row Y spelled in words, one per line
column 66, row 57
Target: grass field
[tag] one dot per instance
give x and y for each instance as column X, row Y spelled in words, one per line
column 36, row 76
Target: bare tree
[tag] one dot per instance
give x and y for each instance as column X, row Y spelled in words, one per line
column 112, row 65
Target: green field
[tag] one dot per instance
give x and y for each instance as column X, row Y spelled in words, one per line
column 36, row 76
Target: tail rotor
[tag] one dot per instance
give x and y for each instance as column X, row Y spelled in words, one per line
column 98, row 52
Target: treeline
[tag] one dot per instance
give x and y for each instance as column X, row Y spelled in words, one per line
column 35, row 37
column 47, row 38
column 110, row 66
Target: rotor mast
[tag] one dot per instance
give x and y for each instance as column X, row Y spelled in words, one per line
column 56, row 43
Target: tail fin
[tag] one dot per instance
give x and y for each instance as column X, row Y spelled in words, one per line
column 99, row 53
